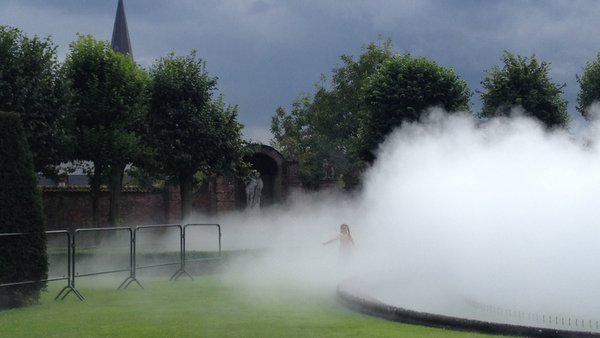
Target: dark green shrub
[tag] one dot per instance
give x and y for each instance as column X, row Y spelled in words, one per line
column 22, row 258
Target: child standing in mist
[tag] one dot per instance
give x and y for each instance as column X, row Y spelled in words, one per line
column 346, row 241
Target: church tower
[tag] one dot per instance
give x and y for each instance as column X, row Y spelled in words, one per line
column 120, row 37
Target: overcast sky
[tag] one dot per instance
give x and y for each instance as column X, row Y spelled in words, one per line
column 267, row 52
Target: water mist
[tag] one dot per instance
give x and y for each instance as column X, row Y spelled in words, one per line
column 500, row 214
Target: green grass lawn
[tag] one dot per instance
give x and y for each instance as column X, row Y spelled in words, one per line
column 209, row 306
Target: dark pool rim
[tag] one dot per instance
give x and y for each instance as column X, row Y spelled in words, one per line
column 370, row 306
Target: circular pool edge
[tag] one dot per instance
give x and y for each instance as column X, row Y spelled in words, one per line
column 365, row 304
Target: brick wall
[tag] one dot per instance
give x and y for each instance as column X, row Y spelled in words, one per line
column 69, row 208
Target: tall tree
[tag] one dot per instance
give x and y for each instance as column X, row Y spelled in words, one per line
column 321, row 128
column 524, row 82
column 190, row 130
column 110, row 93
column 22, row 258
column 401, row 90
column 31, row 87
column 589, row 87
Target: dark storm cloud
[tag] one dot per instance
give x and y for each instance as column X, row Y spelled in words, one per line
column 267, row 52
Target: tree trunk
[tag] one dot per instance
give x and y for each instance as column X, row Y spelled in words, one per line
column 185, row 188
column 95, row 182
column 116, row 182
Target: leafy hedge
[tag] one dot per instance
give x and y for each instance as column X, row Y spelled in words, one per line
column 22, row 258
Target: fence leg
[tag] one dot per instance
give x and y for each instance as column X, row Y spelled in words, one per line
column 132, row 250
column 71, row 272
column 128, row 281
column 69, row 288
column 179, row 273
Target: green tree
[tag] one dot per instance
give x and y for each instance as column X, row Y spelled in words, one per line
column 525, row 83
column 589, row 87
column 401, row 90
column 22, row 258
column 110, row 95
column 189, row 130
column 321, row 128
column 30, row 86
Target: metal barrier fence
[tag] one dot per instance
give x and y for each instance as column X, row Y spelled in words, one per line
column 70, row 246
column 103, row 230
column 70, row 287
column 182, row 270
column 135, row 266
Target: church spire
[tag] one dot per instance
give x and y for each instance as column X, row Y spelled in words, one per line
column 120, row 37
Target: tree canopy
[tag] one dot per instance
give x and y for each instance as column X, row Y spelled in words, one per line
column 30, row 86
column 401, row 90
column 189, row 129
column 321, row 129
column 524, row 82
column 589, row 87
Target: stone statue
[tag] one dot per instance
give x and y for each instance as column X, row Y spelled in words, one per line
column 253, row 192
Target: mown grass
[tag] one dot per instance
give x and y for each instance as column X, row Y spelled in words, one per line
column 208, row 306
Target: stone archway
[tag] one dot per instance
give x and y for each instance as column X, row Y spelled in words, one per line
column 271, row 165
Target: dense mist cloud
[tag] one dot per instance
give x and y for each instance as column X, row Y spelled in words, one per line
column 504, row 212
column 501, row 214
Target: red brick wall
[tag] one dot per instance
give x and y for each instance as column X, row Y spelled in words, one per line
column 69, row 208
column 172, row 204
column 225, row 193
